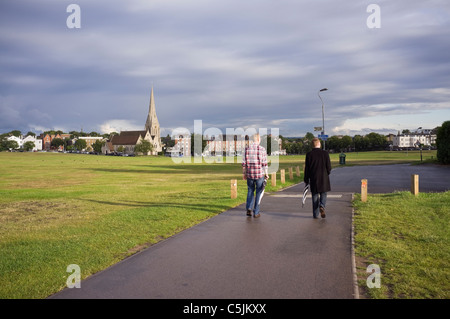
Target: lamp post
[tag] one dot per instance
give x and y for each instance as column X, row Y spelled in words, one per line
column 323, row 116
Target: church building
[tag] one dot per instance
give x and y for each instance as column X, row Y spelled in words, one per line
column 126, row 141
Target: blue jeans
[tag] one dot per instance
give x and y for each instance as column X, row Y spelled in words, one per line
column 318, row 200
column 252, row 199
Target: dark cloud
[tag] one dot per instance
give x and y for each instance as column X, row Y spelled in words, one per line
column 228, row 63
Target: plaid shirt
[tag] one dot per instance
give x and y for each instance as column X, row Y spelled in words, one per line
column 255, row 161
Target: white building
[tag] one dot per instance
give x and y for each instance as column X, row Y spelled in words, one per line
column 16, row 139
column 37, row 142
column 182, row 145
column 413, row 140
column 30, row 138
column 229, row 145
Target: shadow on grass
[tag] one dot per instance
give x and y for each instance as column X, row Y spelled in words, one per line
column 216, row 208
column 173, row 169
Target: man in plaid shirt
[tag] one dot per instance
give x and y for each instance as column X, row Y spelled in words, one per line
column 254, row 169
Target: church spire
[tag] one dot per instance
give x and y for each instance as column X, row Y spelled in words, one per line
column 152, row 123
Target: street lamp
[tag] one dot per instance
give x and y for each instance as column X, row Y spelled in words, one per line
column 323, row 117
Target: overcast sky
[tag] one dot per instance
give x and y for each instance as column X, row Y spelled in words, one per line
column 229, row 63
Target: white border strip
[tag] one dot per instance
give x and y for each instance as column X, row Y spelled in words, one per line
column 308, row 196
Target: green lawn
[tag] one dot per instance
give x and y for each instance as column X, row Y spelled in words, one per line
column 408, row 237
column 61, row 209
column 385, row 157
column 93, row 211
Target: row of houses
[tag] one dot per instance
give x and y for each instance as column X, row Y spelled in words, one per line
column 413, row 140
column 234, row 145
column 217, row 145
column 30, row 138
column 126, row 141
column 44, row 141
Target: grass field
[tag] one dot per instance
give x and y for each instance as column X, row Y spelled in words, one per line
column 93, row 211
column 408, row 237
column 61, row 209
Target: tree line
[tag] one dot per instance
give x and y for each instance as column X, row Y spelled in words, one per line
column 369, row 142
column 292, row 145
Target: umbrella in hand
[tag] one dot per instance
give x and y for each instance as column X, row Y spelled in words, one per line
column 305, row 191
column 263, row 188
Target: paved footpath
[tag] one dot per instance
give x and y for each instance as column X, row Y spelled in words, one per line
column 283, row 254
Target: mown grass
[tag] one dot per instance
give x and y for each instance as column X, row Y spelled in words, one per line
column 409, row 238
column 93, row 211
column 386, row 157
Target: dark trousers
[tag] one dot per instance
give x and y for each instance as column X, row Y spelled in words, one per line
column 318, row 200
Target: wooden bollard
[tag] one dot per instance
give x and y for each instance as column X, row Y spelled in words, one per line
column 364, row 190
column 415, row 184
column 234, row 188
column 297, row 171
column 283, row 180
column 291, row 175
column 274, row 179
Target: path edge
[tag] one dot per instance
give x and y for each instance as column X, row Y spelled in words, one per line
column 355, row 277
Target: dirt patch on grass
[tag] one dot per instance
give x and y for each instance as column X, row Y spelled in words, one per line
column 26, row 215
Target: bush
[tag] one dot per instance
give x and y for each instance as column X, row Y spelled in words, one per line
column 144, row 147
column 443, row 143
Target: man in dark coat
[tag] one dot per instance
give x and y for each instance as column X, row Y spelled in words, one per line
column 317, row 171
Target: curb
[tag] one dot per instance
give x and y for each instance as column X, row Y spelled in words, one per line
column 355, row 278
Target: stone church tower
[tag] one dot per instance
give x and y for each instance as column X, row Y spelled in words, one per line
column 152, row 125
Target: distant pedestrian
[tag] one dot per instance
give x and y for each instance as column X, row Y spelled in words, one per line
column 317, row 171
column 254, row 169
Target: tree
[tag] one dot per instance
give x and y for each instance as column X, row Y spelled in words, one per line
column 307, row 142
column 74, row 134
column 28, row 146
column 97, row 146
column 346, row 142
column 443, row 143
column 376, row 141
column 361, row 142
column 144, row 147
column 57, row 142
column 80, row 144
column 334, row 143
column 297, row 147
column 12, row 145
column 67, row 142
column 15, row 133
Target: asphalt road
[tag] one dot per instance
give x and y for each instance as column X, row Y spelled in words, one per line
column 285, row 254
column 390, row 178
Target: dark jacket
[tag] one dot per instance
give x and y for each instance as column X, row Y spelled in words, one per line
column 317, row 171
